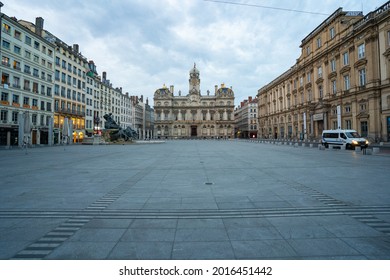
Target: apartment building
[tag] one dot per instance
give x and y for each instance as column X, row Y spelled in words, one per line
column 27, row 71
column 245, row 118
column 336, row 83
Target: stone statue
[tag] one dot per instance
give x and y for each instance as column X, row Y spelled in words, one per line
column 118, row 132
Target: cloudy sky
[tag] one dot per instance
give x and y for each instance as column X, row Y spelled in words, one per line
column 143, row 45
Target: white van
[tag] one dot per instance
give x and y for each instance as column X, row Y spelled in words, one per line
column 347, row 138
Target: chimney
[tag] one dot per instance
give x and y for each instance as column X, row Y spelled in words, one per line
column 142, row 98
column 104, row 76
column 147, row 101
column 250, row 99
column 216, row 89
column 76, row 48
column 39, row 26
column 242, row 104
column 171, row 88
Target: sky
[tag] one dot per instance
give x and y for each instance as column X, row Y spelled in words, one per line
column 143, row 45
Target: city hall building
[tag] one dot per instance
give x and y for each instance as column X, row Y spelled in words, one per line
column 341, row 80
column 194, row 115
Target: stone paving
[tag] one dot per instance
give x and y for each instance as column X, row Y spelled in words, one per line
column 194, row 199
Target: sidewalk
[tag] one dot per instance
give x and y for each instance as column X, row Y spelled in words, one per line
column 193, row 199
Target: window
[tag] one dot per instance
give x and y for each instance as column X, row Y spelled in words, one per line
column 4, row 96
column 26, row 85
column 333, row 65
column 319, row 69
column 35, row 87
column 16, row 49
column 364, row 128
column 16, row 83
column 335, row 125
column 57, row 61
column 15, row 98
column 26, row 100
column 5, row 61
column 346, row 58
column 348, row 124
column 6, row 44
column 36, row 58
column 15, row 116
column 309, row 95
column 36, row 45
column 17, row 65
column 308, row 50
column 6, row 28
column 308, row 77
column 334, row 87
column 35, row 72
column 361, row 51
column 34, row 119
column 320, row 92
column 319, row 44
column 63, row 64
column 35, row 102
column 4, row 115
column 17, row 34
column 27, row 54
column 57, row 75
column 348, row 109
column 48, row 106
column 56, row 90
column 27, row 40
column 363, row 107
column 346, row 82
column 42, row 105
column 362, row 77
column 332, row 33
column 27, row 69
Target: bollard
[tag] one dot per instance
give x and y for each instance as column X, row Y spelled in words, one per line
column 311, row 145
column 368, row 151
column 375, row 150
column 358, row 149
column 321, row 148
column 303, row 144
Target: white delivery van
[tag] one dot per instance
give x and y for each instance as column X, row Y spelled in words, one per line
column 347, row 138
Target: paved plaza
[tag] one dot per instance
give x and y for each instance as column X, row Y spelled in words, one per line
column 194, row 199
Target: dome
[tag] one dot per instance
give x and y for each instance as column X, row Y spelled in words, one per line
column 194, row 70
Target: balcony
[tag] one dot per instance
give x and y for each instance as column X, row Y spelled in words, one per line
column 15, row 104
column 69, row 111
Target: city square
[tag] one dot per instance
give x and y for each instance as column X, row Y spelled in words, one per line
column 193, row 199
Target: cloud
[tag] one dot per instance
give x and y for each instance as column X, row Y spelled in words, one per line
column 144, row 44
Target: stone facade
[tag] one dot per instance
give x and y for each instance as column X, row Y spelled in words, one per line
column 194, row 115
column 338, row 81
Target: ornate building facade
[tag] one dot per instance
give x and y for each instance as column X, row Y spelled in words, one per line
column 337, row 81
column 194, row 115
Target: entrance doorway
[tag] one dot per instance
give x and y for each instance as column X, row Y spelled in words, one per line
column 194, row 132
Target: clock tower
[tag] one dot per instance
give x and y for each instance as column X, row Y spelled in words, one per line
column 194, row 81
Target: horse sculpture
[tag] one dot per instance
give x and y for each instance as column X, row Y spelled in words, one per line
column 126, row 134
